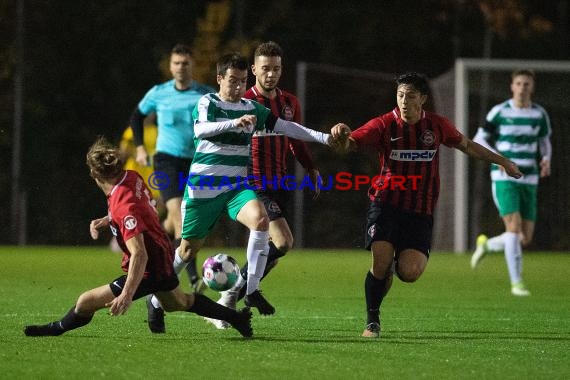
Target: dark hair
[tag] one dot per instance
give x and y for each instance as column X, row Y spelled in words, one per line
column 527, row 72
column 181, row 49
column 104, row 159
column 416, row 80
column 268, row 49
column 231, row 61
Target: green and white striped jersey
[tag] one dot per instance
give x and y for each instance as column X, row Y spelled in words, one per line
column 221, row 160
column 515, row 133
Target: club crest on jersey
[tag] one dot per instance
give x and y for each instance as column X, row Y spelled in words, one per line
column 412, row 155
column 130, row 222
column 428, row 138
column 287, row 113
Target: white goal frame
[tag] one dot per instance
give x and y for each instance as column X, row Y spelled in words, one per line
column 462, row 68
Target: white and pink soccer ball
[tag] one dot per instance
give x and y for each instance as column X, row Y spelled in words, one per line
column 220, row 272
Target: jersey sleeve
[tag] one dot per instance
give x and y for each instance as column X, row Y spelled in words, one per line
column 370, row 134
column 148, row 104
column 545, row 129
column 450, row 136
column 264, row 115
column 129, row 216
column 202, row 111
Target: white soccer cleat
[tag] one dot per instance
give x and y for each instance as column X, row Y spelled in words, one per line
column 519, row 290
column 220, row 325
column 480, row 251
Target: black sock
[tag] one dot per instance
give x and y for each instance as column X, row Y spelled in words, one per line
column 73, row 320
column 205, row 307
column 375, row 290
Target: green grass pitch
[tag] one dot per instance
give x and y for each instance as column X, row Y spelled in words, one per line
column 454, row 323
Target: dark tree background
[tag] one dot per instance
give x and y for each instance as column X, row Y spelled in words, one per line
column 87, row 64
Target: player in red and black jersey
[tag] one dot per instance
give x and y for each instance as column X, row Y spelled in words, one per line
column 147, row 254
column 269, row 152
column 399, row 220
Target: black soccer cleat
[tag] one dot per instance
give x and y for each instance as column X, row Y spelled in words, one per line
column 372, row 330
column 242, row 322
column 51, row 329
column 257, row 300
column 155, row 317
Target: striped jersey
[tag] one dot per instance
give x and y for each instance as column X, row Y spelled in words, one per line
column 409, row 158
column 173, row 110
column 220, row 161
column 132, row 212
column 269, row 150
column 514, row 133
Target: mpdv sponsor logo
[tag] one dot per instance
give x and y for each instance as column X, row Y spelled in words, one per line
column 412, row 155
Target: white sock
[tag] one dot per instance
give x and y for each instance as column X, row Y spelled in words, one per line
column 257, row 251
column 496, row 243
column 513, row 256
column 178, row 263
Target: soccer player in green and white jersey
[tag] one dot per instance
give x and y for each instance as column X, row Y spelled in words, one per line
column 223, row 128
column 519, row 130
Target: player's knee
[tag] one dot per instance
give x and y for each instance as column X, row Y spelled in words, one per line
column 284, row 247
column 261, row 223
column 409, row 273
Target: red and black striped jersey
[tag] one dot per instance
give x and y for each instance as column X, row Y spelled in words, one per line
column 409, row 158
column 269, row 150
column 131, row 212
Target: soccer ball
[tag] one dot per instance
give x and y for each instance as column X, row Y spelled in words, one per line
column 220, row 272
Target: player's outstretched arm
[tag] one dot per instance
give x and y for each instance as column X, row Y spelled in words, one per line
column 478, row 151
column 297, row 131
column 211, row 128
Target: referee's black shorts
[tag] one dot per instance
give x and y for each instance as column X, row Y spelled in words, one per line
column 176, row 170
column 403, row 229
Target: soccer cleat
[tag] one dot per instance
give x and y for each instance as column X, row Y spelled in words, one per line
column 257, row 300
column 198, row 286
column 51, row 329
column 242, row 322
column 372, row 330
column 155, row 317
column 519, row 290
column 480, row 251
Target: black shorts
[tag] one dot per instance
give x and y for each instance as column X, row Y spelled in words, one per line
column 146, row 287
column 275, row 202
column 403, row 229
column 176, row 170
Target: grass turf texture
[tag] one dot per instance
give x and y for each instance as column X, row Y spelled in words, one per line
column 453, row 323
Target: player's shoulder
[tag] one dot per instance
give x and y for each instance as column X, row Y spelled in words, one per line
column 164, row 86
column 437, row 118
column 538, row 107
column 497, row 108
column 286, row 94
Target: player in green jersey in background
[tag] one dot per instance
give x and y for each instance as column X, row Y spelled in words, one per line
column 519, row 130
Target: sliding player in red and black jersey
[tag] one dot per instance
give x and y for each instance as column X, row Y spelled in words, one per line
column 147, row 254
column 399, row 220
